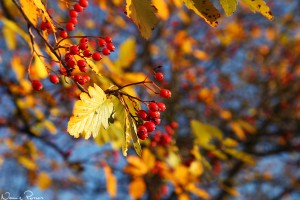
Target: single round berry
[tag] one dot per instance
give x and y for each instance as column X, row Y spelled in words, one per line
column 73, row 13
column 84, row 40
column 73, row 20
column 142, row 132
column 83, row 3
column 165, row 93
column 174, row 124
column 45, row 25
column 78, row 7
column 68, row 57
column 169, row 129
column 108, row 39
column 78, row 78
column 143, row 114
column 101, row 42
column 63, row 34
column 154, row 114
column 162, row 107
column 83, row 46
column 83, row 69
column 36, row 85
column 86, row 78
column 106, row 51
column 81, row 63
column 71, row 64
column 96, row 56
column 111, row 46
column 87, row 53
column 156, row 121
column 74, row 50
column 150, row 126
column 153, row 106
column 70, row 26
column 159, row 76
column 54, row 78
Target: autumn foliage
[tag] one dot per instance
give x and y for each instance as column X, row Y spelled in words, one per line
column 140, row 99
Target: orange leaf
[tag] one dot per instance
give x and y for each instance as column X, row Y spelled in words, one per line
column 43, row 181
column 136, row 166
column 137, row 188
column 111, row 182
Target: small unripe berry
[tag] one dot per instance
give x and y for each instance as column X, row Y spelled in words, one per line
column 106, row 51
column 153, row 106
column 159, row 76
column 165, row 93
column 96, row 56
column 36, row 85
column 54, row 78
column 150, row 126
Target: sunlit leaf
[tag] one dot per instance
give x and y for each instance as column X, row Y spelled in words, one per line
column 27, row 163
column 111, row 181
column 201, row 193
column 148, row 158
column 30, row 10
column 125, row 58
column 44, row 181
column 259, row 6
column 229, row 6
column 204, row 9
column 229, row 142
column 136, row 166
column 162, row 8
column 10, row 38
column 137, row 188
column 237, row 129
column 196, row 168
column 92, row 111
column 142, row 14
column 44, row 13
column 241, row 156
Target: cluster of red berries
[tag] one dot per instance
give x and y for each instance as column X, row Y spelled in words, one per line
column 150, row 118
column 164, row 138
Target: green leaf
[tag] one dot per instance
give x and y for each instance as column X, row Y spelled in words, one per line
column 229, row 6
column 205, row 9
column 90, row 113
column 143, row 15
column 259, row 6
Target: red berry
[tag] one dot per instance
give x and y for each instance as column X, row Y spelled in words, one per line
column 83, row 3
column 78, row 78
column 154, row 114
column 159, row 76
column 111, row 46
column 169, row 130
column 142, row 132
column 73, row 13
column 71, row 64
column 37, row 85
column 101, row 42
column 84, row 80
column 156, row 121
column 165, row 93
column 150, row 126
column 45, row 25
column 63, row 34
column 54, row 78
column 78, row 7
column 74, row 50
column 174, row 124
column 87, row 53
column 165, row 139
column 143, row 114
column 73, row 20
column 83, row 46
column 106, row 51
column 96, row 56
column 68, row 57
column 83, row 69
column 81, row 63
column 161, row 106
column 70, row 26
column 153, row 106
column 84, row 40
column 108, row 39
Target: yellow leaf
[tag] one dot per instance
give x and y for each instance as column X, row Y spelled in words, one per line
column 241, row 156
column 49, row 125
column 204, row 9
column 201, row 55
column 90, row 113
column 162, row 9
column 196, row 168
column 18, row 67
column 142, row 14
column 183, row 196
column 197, row 191
column 259, row 6
column 31, row 11
column 137, row 188
column 229, row 6
column 125, row 58
column 136, row 166
column 181, row 175
column 148, row 158
column 27, row 163
column 231, row 191
column 228, row 142
column 111, row 181
column 44, row 13
column 247, row 126
column 225, row 114
column 237, row 129
column 43, row 181
column 10, row 38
